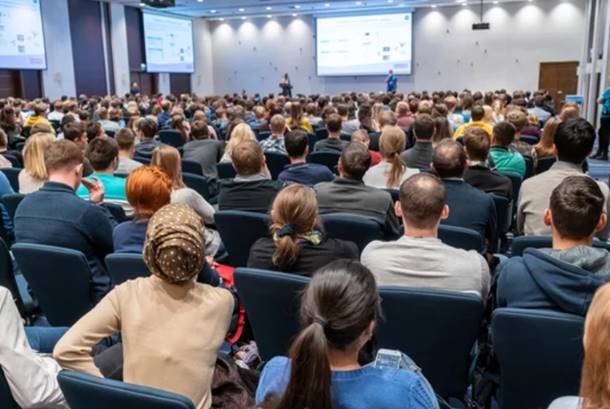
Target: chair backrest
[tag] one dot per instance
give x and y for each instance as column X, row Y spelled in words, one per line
column 328, row 159
column 532, row 140
column 263, row 292
column 239, row 230
column 142, row 159
column 198, row 183
column 7, row 276
column 437, row 329
column 122, row 267
column 262, row 135
column 59, row 279
column 15, row 162
column 109, row 133
column 225, row 170
column 171, row 137
column 84, row 391
column 116, row 211
column 276, row 162
column 11, row 202
column 395, row 193
column 26, row 131
column 189, row 166
column 521, row 243
column 345, row 137
column 12, row 174
column 460, row 237
column 6, row 397
column 540, row 355
column 503, row 213
column 543, row 164
column 516, row 181
column 358, row 229
column 529, row 166
column 318, row 135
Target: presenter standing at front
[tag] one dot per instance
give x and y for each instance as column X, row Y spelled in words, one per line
column 286, row 86
column 391, row 81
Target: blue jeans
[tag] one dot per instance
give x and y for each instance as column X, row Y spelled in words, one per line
column 43, row 339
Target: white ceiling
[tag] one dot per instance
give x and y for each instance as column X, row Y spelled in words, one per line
column 231, row 8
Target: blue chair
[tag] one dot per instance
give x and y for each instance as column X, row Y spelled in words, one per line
column 437, row 329
column 116, row 211
column 84, row 391
column 59, row 279
column 8, row 280
column 239, row 230
column 6, row 397
column 543, row 164
column 262, row 135
column 276, row 162
column 530, row 139
column 122, row 267
column 521, row 243
column 189, row 166
column 374, row 137
column 55, row 124
column 198, row 183
column 345, row 137
column 109, row 133
column 529, row 166
column 12, row 174
column 395, row 193
column 142, row 159
column 171, row 137
column 504, row 215
column 328, row 159
column 26, row 131
column 358, row 229
column 225, row 170
column 460, row 237
column 11, row 202
column 516, row 181
column 540, row 356
column 318, row 135
column 272, row 302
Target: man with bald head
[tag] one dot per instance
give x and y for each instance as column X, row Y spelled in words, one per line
column 470, row 207
column 419, row 258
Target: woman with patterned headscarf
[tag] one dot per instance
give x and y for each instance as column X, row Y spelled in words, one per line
column 171, row 326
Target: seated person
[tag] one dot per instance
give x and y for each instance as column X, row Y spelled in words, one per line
column 34, row 173
column 349, row 194
column 362, row 136
column 477, row 121
column 478, row 174
column 55, row 216
column 148, row 189
column 251, row 190
column 299, row 171
column 470, row 208
column 274, row 143
column 202, row 149
column 503, row 158
column 339, row 312
column 38, row 116
column 154, row 314
column 564, row 277
column 391, row 171
column 419, row 258
column 103, row 154
column 296, row 244
column 94, row 130
column 333, row 143
column 574, row 141
column 420, row 155
column 4, row 152
column 125, row 138
column 518, row 119
column 147, row 129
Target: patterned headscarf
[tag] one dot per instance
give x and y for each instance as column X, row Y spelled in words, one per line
column 174, row 249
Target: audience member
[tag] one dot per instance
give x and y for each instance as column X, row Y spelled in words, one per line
column 203, row 150
column 545, row 148
column 296, row 244
column 362, row 136
column 94, row 130
column 503, row 158
column 404, row 117
column 297, row 119
column 56, row 114
column 349, row 194
column 242, row 132
column 274, row 143
column 564, row 277
column 4, row 160
column 34, row 173
column 573, row 143
column 391, row 172
column 125, row 139
column 420, row 258
column 478, row 173
column 147, row 129
column 38, row 116
column 55, row 216
column 106, row 123
column 164, row 118
column 470, row 208
column 158, row 311
column 339, row 312
column 299, row 171
column 518, row 119
column 333, row 143
column 538, row 110
column 477, row 114
column 349, row 124
column 420, row 155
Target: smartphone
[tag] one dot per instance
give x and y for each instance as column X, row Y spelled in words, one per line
column 89, row 184
column 388, row 358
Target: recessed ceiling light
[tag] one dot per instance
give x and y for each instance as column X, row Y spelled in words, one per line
column 464, row 4
column 221, row 19
column 268, row 7
column 358, row 3
column 496, row 2
column 213, row 11
column 269, row 16
column 326, row 4
column 390, row 1
column 433, row 6
column 294, row 14
column 296, row 6
column 241, row 10
column 200, row 1
column 142, row 4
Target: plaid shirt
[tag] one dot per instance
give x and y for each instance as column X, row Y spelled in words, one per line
column 274, row 145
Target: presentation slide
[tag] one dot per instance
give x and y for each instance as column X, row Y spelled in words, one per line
column 21, row 36
column 364, row 45
column 169, row 44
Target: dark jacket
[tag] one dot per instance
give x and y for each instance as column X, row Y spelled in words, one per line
column 489, row 181
column 145, row 148
column 330, row 145
column 472, row 209
column 540, row 281
column 308, row 174
column 206, row 152
column 250, row 196
column 419, row 156
column 55, row 216
column 310, row 259
column 352, row 196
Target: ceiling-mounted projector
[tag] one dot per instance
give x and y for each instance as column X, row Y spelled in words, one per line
column 160, row 4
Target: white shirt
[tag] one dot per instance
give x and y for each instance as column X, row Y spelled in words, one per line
column 377, row 175
column 32, row 377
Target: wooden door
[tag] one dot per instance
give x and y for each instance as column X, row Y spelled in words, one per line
column 559, row 79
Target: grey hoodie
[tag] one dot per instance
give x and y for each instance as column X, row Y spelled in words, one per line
column 592, row 259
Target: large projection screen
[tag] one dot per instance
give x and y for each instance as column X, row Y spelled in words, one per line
column 364, row 44
column 21, row 35
column 169, row 44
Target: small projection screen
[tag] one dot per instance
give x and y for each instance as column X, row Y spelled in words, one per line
column 21, row 35
column 169, row 44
